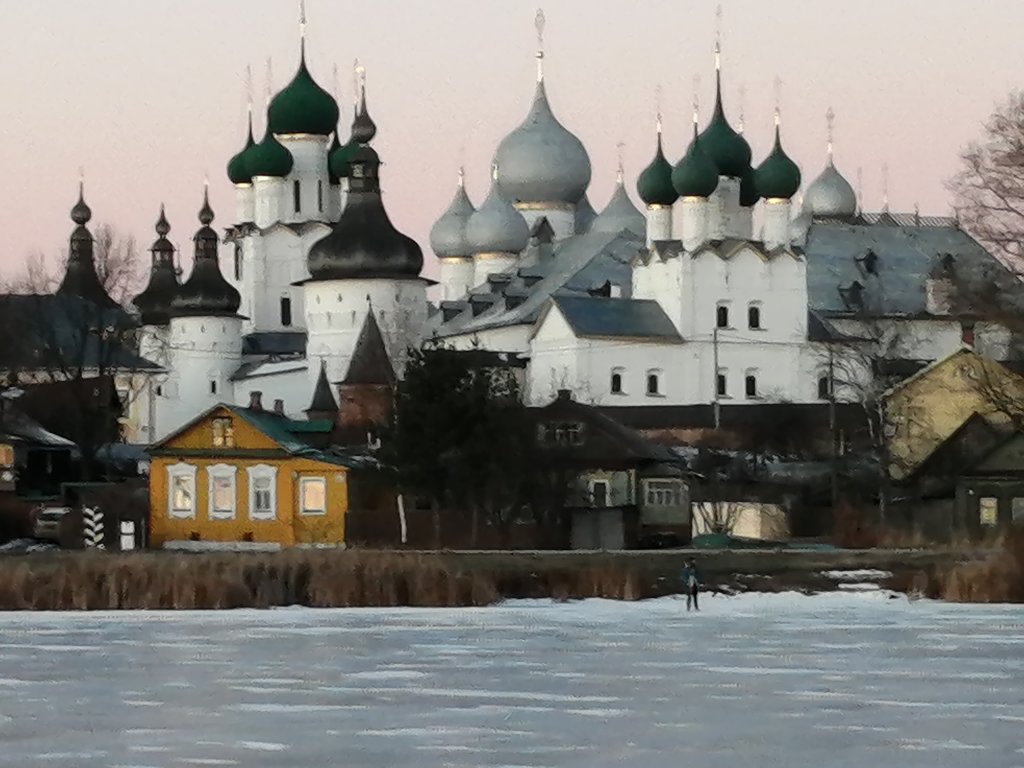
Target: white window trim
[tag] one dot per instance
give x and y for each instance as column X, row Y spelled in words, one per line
column 668, row 484
column 303, row 481
column 607, row 483
column 222, row 472
column 175, row 471
column 621, row 372
column 659, row 374
column 262, row 472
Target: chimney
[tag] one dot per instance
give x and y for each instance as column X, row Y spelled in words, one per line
column 279, row 407
column 565, row 394
column 255, row 401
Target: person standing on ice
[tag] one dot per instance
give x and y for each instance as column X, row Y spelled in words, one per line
column 691, row 582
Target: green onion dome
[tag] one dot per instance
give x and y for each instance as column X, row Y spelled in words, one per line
column 778, row 177
column 269, row 158
column 748, row 189
column 238, row 166
column 303, row 106
column 340, row 160
column 727, row 149
column 654, row 185
column 695, row 175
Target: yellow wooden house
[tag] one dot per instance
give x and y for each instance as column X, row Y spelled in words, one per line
column 925, row 410
column 245, row 478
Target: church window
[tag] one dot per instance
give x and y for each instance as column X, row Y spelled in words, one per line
column 213, row 386
column 617, row 381
column 297, row 195
column 238, row 261
column 750, row 384
column 654, row 382
column 159, row 390
column 754, row 316
column 722, row 316
column 320, row 196
column 286, row 311
column 223, row 433
column 721, row 384
column 824, row 389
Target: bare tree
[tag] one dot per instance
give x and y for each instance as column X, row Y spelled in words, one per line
column 989, row 188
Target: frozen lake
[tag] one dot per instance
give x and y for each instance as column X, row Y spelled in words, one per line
column 835, row 680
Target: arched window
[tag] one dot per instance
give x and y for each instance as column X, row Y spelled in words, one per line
column 286, row 311
column 824, row 389
column 750, row 384
column 297, row 195
column 722, row 316
column 754, row 316
column 654, row 382
column 616, row 383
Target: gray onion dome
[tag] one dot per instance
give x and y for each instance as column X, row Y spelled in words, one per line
column 541, row 161
column 620, row 214
column 585, row 215
column 497, row 227
column 448, row 235
column 830, row 194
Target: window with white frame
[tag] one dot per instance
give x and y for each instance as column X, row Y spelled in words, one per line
column 654, row 382
column 721, row 383
column 313, row 496
column 662, row 493
column 181, row 490
column 262, row 492
column 617, row 386
column 750, row 384
column 223, row 433
column 754, row 316
column 221, row 491
column 722, row 316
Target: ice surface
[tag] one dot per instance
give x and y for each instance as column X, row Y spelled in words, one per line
column 840, row 679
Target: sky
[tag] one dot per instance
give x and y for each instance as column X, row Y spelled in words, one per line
column 147, row 98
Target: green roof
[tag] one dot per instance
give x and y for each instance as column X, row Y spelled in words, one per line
column 695, row 175
column 238, row 166
column 340, row 159
column 778, row 176
column 654, row 185
column 727, row 149
column 302, row 106
column 269, row 158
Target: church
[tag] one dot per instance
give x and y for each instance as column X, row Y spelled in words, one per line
column 724, row 287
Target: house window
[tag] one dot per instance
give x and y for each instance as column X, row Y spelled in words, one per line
column 824, row 389
column 223, row 433
column 297, row 196
column 720, row 385
column 662, row 493
column 313, row 496
column 617, row 381
column 238, row 261
column 654, row 382
column 754, row 316
column 722, row 316
column 6, row 455
column 1017, row 511
column 181, row 490
column 599, row 493
column 262, row 492
column 562, row 433
column 286, row 311
column 222, row 491
column 750, row 385
column 320, row 196
column 988, row 511
column 213, row 386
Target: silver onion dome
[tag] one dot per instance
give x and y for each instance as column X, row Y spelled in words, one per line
column 620, row 214
column 541, row 161
column 830, row 194
column 448, row 235
column 496, row 227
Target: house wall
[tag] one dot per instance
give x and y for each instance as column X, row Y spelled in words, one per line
column 287, row 528
column 512, row 338
column 752, row 519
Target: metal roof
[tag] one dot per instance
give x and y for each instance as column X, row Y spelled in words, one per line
column 598, row 317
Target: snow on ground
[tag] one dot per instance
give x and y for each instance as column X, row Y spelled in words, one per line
column 861, row 574
column 838, row 679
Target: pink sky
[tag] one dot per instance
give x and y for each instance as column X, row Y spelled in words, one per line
column 148, row 97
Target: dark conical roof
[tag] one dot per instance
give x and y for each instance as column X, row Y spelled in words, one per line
column 80, row 278
column 323, row 403
column 363, row 243
column 154, row 303
column 206, row 293
column 370, row 363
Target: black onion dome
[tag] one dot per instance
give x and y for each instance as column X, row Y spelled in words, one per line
column 206, row 293
column 154, row 303
column 80, row 278
column 364, row 243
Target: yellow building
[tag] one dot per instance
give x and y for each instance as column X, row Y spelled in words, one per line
column 923, row 411
column 247, row 478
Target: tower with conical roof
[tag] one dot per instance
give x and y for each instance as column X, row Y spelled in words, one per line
column 80, row 277
column 363, row 265
column 654, row 185
column 620, row 213
column 544, row 168
column 695, row 179
column 450, row 245
column 204, row 348
column 367, row 392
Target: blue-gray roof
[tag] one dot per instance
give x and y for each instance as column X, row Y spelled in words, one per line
column 906, row 251
column 606, row 318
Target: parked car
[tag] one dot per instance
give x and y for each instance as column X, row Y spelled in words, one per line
column 47, row 522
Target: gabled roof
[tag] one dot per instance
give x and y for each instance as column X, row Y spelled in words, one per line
column 370, row 363
column 16, row 427
column 926, row 370
column 323, row 398
column 595, row 317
